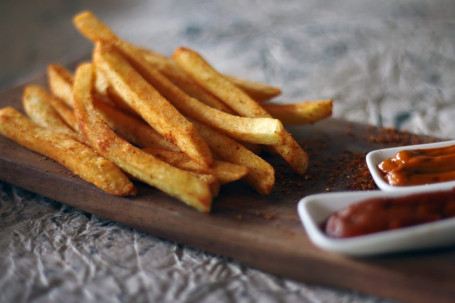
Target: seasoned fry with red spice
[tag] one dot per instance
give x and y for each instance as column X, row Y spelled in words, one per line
column 300, row 113
column 72, row 154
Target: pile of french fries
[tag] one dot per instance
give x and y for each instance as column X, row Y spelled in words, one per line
column 174, row 123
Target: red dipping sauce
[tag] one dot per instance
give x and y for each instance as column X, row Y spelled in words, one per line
column 381, row 214
column 420, row 166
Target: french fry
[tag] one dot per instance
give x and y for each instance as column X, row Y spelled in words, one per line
column 141, row 165
column 225, row 171
column 59, row 78
column 259, row 92
column 36, row 102
column 260, row 176
column 150, row 104
column 300, row 113
column 128, row 127
column 204, row 74
column 72, row 154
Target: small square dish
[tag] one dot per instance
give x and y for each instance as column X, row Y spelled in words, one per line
column 374, row 158
column 315, row 209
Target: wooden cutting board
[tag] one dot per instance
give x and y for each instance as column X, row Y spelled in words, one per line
column 261, row 231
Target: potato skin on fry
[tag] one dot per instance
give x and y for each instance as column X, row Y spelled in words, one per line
column 177, row 183
column 72, row 154
column 300, row 113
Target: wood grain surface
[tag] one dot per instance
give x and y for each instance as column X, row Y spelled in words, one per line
column 261, row 231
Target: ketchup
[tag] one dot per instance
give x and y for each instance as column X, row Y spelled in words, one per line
column 420, row 166
column 381, row 214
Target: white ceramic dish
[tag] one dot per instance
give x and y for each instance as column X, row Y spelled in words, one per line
column 314, row 209
column 375, row 157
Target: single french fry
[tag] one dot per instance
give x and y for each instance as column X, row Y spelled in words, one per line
column 259, row 92
column 256, row 130
column 59, row 78
column 141, row 165
column 260, row 176
column 225, row 171
column 36, row 102
column 72, row 154
column 130, row 128
column 204, row 74
column 150, row 104
column 300, row 113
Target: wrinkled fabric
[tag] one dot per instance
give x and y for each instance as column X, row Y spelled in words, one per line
column 52, row 252
column 386, row 63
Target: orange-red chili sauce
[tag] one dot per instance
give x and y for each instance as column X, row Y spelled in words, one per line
column 381, row 214
column 420, row 166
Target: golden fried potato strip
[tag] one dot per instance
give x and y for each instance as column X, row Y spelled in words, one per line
column 70, row 153
column 59, row 78
column 259, row 92
column 300, row 113
column 150, row 104
column 139, row 164
column 225, row 171
column 204, row 74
